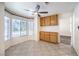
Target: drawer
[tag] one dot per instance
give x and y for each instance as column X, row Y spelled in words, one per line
column 42, row 35
column 47, row 34
column 53, row 33
column 41, row 31
column 53, row 37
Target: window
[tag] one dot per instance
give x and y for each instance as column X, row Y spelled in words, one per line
column 30, row 28
column 23, row 27
column 15, row 28
column 7, row 27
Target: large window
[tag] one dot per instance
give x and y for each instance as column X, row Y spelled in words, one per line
column 23, row 27
column 7, row 27
column 30, row 28
column 15, row 27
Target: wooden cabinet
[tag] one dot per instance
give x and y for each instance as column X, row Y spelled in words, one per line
column 49, row 20
column 49, row 36
column 42, row 21
column 42, row 35
column 54, row 37
column 54, row 20
column 46, row 35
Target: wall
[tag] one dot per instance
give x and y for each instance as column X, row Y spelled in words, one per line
column 75, row 41
column 50, row 28
column 16, row 40
column 65, row 22
column 1, row 28
column 36, row 27
column 64, row 27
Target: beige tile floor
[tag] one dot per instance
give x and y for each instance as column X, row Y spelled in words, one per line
column 41, row 48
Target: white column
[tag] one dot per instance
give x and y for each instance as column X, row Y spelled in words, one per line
column 36, row 27
column 1, row 29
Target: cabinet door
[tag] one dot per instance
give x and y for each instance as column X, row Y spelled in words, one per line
column 42, row 21
column 42, row 35
column 47, row 21
column 47, row 36
column 53, row 39
column 54, row 20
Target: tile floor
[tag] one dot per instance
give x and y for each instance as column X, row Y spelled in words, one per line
column 41, row 48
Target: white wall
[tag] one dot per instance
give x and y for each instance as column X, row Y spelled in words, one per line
column 36, row 27
column 65, row 22
column 1, row 28
column 75, row 41
column 64, row 27
column 50, row 28
column 16, row 40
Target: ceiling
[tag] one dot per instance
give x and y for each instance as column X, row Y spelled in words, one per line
column 52, row 7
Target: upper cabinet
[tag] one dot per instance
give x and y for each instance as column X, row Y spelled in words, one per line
column 54, row 20
column 49, row 20
column 42, row 21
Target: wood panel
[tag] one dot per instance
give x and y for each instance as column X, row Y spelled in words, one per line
column 53, row 33
column 49, row 36
column 53, row 39
column 49, row 20
column 46, row 36
column 54, row 20
column 42, row 35
column 42, row 21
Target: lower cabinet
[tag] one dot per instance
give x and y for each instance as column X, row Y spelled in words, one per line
column 49, row 36
column 46, row 38
column 53, row 39
column 42, row 35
